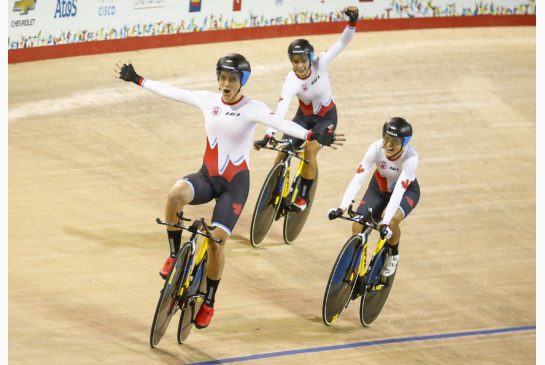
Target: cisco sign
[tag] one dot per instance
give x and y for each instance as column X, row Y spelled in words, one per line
column 106, row 10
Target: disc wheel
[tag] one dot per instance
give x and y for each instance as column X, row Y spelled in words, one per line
column 168, row 299
column 376, row 292
column 295, row 221
column 266, row 206
column 341, row 280
column 190, row 308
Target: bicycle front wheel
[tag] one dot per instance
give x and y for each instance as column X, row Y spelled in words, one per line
column 295, row 221
column 376, row 291
column 168, row 300
column 190, row 309
column 342, row 280
column 267, row 205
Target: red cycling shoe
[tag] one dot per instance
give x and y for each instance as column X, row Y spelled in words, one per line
column 203, row 318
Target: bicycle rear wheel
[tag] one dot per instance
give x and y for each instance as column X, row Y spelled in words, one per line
column 190, row 309
column 376, row 291
column 266, row 208
column 295, row 221
column 168, row 300
column 342, row 280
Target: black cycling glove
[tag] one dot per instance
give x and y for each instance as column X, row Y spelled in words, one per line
column 352, row 13
column 127, row 73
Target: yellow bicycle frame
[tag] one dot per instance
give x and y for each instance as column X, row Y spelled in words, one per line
column 379, row 245
column 285, row 191
column 287, row 183
column 200, row 256
column 202, row 251
column 361, row 271
column 377, row 250
column 298, row 173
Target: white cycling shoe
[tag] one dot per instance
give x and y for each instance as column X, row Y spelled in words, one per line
column 390, row 265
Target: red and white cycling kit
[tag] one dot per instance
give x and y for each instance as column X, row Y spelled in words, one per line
column 392, row 176
column 314, row 91
column 229, row 127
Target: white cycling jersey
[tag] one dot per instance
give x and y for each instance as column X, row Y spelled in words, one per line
column 314, row 91
column 393, row 176
column 229, row 127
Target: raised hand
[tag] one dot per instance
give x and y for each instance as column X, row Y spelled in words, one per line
column 126, row 72
column 352, row 13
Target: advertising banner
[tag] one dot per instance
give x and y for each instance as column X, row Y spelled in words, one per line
column 34, row 23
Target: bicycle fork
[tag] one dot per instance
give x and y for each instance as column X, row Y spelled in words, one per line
column 358, row 261
column 282, row 191
column 283, row 187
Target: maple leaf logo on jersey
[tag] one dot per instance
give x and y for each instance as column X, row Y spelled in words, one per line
column 237, row 208
column 362, row 203
column 409, row 201
column 360, row 169
column 405, row 184
column 383, row 165
column 305, row 87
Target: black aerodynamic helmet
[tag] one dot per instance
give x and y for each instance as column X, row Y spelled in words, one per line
column 400, row 128
column 234, row 62
column 301, row 46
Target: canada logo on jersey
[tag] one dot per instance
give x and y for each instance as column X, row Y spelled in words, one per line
column 216, row 111
column 382, row 165
column 304, row 87
column 405, row 183
column 237, row 208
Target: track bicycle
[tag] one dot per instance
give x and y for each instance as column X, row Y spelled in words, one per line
column 278, row 194
column 182, row 288
column 350, row 264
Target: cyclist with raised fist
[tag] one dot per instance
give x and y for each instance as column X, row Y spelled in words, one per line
column 309, row 81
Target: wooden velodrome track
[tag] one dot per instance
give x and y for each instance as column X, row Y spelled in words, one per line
column 91, row 159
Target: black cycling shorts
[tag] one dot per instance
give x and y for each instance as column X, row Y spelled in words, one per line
column 230, row 196
column 314, row 122
column 378, row 200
